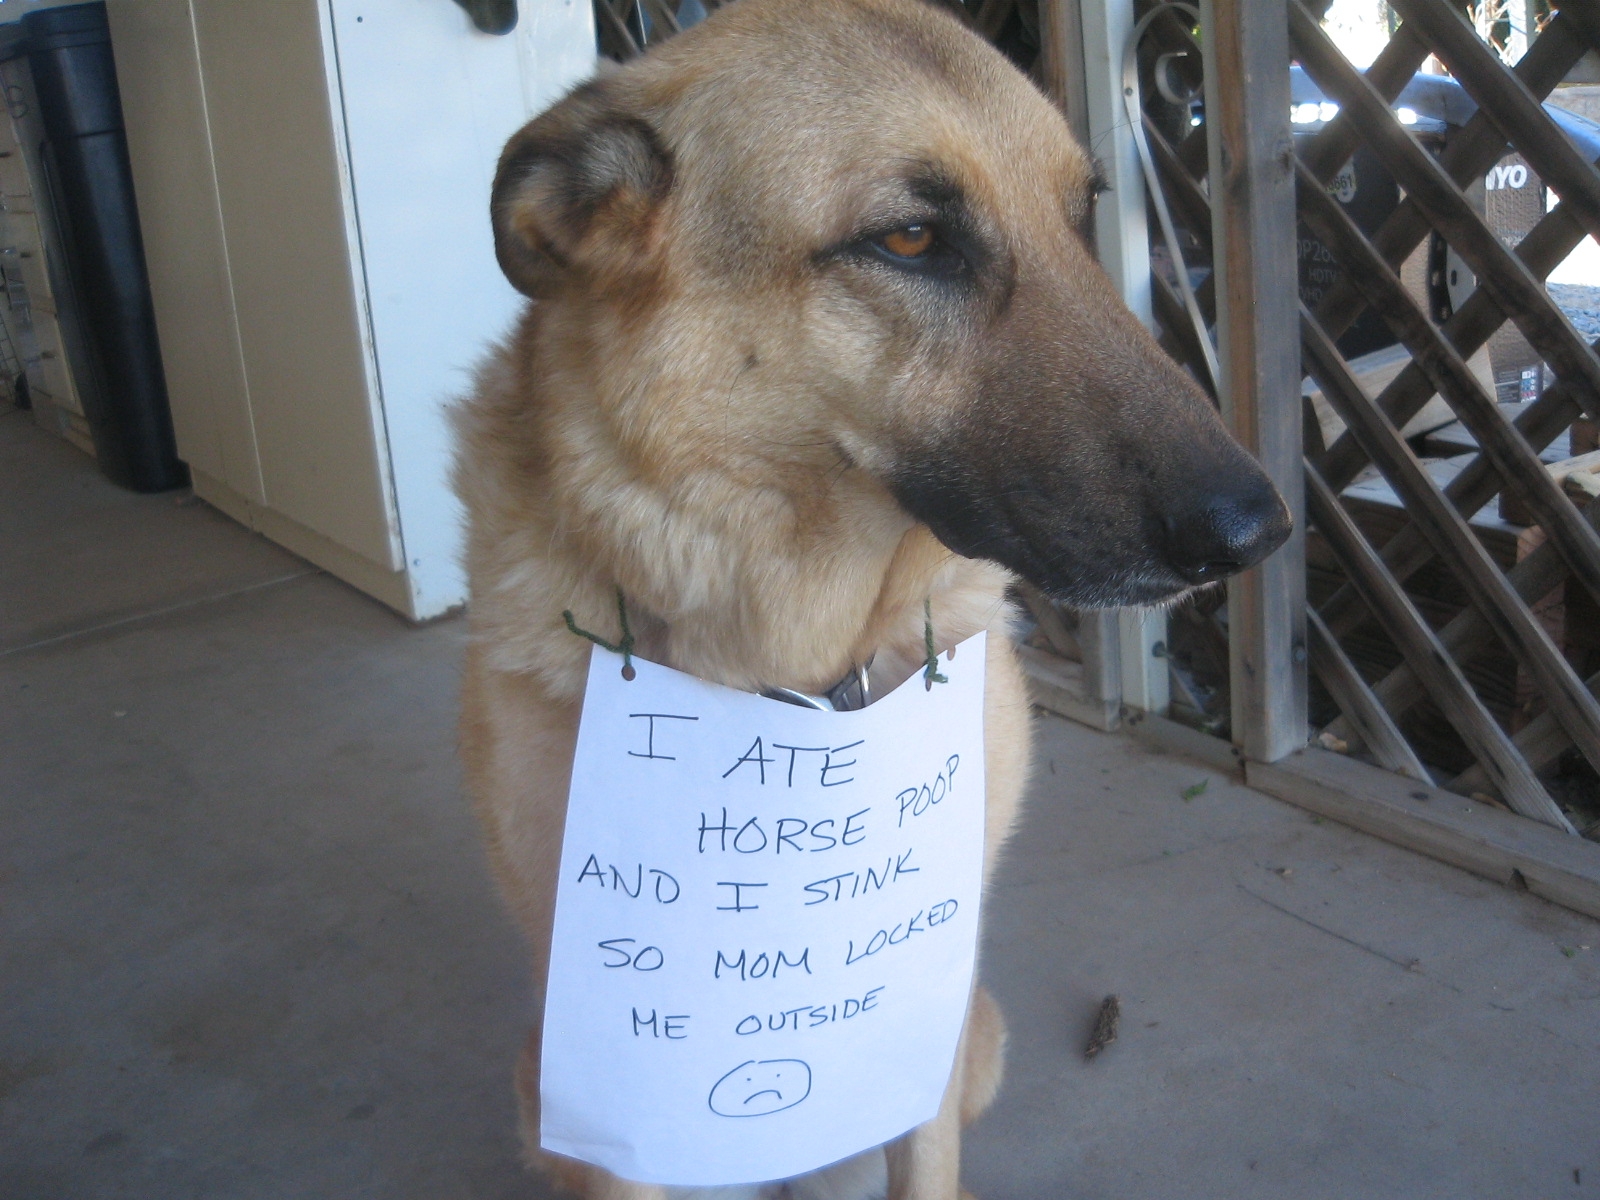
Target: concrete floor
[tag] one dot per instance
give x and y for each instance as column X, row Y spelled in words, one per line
column 248, row 947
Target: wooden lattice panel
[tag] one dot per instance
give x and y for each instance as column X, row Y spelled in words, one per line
column 1430, row 678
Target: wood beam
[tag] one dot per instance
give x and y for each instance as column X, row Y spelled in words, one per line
column 1253, row 235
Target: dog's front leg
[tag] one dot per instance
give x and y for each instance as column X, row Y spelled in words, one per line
column 603, row 1185
column 925, row 1164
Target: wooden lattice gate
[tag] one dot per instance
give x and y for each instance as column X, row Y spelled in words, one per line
column 1406, row 675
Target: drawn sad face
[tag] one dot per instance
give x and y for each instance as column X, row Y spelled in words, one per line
column 754, row 1089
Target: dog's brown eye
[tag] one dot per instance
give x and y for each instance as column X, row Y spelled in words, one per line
column 911, row 242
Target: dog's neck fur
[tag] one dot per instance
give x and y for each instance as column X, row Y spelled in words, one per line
column 740, row 577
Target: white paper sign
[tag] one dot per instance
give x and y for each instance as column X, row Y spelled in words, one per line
column 765, row 925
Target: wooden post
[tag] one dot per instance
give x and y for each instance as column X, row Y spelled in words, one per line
column 1061, row 61
column 1253, row 235
column 1124, row 246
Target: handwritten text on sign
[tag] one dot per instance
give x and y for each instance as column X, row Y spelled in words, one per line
column 765, row 923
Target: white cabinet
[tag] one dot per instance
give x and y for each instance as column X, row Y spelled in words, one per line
column 313, row 180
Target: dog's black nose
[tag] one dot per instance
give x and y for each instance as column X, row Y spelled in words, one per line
column 1226, row 531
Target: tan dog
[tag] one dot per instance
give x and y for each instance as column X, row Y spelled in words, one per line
column 816, row 336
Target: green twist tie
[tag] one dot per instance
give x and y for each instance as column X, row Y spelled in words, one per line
column 930, row 673
column 625, row 646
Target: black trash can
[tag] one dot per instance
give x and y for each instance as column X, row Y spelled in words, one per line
column 90, row 191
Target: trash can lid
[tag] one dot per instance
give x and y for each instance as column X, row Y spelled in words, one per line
column 13, row 42
column 67, row 26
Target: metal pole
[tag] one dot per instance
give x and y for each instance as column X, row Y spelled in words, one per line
column 1124, row 246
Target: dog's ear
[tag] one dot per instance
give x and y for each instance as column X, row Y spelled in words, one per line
column 576, row 189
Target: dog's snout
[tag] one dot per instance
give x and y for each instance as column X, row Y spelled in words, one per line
column 1225, row 531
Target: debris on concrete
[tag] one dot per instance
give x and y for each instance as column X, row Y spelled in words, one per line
column 1106, row 1025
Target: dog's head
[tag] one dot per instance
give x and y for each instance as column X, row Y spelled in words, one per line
column 847, row 233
